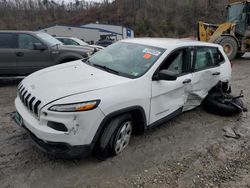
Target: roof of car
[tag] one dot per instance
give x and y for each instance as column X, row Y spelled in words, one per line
column 168, row 42
column 66, row 37
column 15, row 31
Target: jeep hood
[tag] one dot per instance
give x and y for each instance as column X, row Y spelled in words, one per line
column 60, row 81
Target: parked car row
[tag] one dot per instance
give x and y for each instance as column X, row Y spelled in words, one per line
column 24, row 52
column 76, row 42
column 95, row 104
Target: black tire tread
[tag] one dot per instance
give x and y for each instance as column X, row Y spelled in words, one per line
column 211, row 105
column 105, row 144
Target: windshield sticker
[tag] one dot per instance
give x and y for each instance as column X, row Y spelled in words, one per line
column 147, row 56
column 151, row 51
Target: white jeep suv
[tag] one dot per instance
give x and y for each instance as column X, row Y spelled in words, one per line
column 96, row 103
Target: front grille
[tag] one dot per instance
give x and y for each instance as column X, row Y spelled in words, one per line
column 30, row 101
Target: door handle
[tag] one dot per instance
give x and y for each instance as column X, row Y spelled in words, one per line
column 216, row 74
column 187, row 81
column 19, row 54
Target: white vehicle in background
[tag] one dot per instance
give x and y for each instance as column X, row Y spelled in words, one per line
column 96, row 103
column 76, row 42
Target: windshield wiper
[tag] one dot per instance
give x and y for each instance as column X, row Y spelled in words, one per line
column 86, row 60
column 106, row 69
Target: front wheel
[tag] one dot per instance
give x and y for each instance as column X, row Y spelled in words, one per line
column 115, row 137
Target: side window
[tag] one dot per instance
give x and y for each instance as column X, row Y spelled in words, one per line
column 218, row 57
column 65, row 41
column 61, row 39
column 176, row 61
column 73, row 42
column 206, row 57
column 70, row 42
column 6, row 40
column 26, row 41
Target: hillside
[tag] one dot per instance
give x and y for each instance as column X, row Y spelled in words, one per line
column 164, row 18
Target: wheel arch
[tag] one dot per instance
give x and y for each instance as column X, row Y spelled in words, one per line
column 224, row 86
column 138, row 115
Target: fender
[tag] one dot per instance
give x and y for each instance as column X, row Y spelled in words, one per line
column 116, row 113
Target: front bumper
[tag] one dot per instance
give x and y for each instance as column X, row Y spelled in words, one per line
column 75, row 142
column 58, row 149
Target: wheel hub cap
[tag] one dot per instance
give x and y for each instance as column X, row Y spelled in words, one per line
column 123, row 137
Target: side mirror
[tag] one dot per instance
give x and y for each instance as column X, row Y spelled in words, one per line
column 166, row 75
column 39, row 46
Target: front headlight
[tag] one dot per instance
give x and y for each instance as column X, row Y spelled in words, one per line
column 75, row 107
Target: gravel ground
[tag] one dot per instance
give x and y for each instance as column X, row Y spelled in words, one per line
column 196, row 149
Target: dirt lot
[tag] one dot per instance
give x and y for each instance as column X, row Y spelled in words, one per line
column 189, row 151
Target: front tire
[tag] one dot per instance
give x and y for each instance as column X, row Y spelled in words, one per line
column 115, row 137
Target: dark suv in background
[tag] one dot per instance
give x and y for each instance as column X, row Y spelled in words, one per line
column 24, row 52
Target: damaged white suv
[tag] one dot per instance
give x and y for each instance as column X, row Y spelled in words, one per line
column 96, row 103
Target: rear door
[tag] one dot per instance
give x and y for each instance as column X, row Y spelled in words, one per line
column 7, row 54
column 28, row 59
column 206, row 73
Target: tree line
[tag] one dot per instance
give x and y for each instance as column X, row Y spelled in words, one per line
column 159, row 18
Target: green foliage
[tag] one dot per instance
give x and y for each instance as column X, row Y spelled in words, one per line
column 143, row 27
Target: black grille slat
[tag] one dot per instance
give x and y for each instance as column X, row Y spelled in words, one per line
column 22, row 90
column 30, row 103
column 20, row 87
column 36, row 107
column 28, row 100
column 23, row 96
column 20, row 93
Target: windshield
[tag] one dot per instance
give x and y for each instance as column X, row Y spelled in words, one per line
column 126, row 59
column 51, row 41
column 234, row 12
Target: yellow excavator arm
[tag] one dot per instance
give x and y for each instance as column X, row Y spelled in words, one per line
column 211, row 32
column 232, row 36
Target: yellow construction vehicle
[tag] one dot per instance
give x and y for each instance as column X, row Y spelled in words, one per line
column 234, row 35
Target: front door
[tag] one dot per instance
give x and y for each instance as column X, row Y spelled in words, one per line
column 7, row 54
column 169, row 97
column 28, row 59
